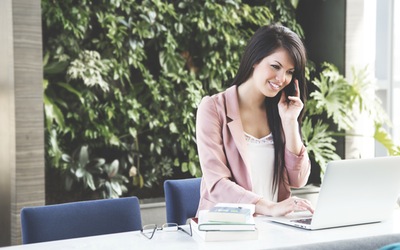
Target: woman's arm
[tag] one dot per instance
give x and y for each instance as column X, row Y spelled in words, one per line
column 296, row 156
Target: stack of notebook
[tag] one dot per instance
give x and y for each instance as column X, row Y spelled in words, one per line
column 226, row 221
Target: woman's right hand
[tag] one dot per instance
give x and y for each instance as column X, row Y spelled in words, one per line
column 284, row 207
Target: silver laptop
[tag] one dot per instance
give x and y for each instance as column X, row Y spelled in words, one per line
column 354, row 191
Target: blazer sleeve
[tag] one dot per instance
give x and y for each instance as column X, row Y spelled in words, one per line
column 217, row 177
column 298, row 168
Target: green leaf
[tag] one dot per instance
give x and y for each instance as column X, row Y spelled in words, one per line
column 90, row 182
column 114, row 140
column 133, row 132
column 113, row 170
column 54, row 68
column 83, row 156
column 80, row 173
column 192, row 168
column 138, row 181
column 72, row 90
column 173, row 128
column 116, row 187
column 53, row 113
column 184, row 167
column 107, row 190
column 383, row 137
column 66, row 158
column 294, row 3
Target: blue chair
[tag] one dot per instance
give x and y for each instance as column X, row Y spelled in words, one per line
column 182, row 198
column 80, row 219
column 393, row 246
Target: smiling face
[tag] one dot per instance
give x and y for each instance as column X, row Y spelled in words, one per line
column 273, row 73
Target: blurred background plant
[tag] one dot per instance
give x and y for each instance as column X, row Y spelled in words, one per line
column 336, row 100
column 94, row 174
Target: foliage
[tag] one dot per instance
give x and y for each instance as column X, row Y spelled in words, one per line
column 95, row 173
column 339, row 100
column 382, row 136
column 123, row 78
column 319, row 139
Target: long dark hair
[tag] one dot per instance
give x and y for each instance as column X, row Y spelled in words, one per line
column 265, row 41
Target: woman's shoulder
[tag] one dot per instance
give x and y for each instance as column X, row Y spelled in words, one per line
column 220, row 97
column 221, row 105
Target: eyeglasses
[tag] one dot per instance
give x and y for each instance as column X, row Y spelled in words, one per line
column 149, row 230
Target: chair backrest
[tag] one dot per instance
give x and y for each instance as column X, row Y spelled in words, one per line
column 80, row 219
column 182, row 198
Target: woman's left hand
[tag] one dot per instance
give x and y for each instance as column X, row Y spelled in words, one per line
column 291, row 106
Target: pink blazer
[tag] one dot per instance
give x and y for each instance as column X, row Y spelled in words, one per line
column 223, row 158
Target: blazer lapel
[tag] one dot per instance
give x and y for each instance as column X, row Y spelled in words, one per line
column 235, row 123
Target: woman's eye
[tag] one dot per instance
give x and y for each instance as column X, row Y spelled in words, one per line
column 291, row 73
column 275, row 66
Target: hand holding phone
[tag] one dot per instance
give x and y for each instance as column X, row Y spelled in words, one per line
column 290, row 104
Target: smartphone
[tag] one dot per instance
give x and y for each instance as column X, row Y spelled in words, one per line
column 290, row 89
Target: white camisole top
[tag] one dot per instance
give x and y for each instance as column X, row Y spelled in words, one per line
column 261, row 155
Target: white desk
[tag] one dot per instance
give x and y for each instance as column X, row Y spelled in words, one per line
column 271, row 236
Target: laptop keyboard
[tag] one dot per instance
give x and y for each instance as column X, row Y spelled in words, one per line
column 304, row 221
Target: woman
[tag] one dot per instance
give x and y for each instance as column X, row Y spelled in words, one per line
column 248, row 136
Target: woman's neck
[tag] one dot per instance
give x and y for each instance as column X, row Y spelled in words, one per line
column 252, row 111
column 250, row 98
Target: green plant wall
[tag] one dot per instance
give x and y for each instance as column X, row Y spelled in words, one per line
column 123, row 79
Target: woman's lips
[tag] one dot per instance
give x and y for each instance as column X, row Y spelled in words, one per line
column 274, row 86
